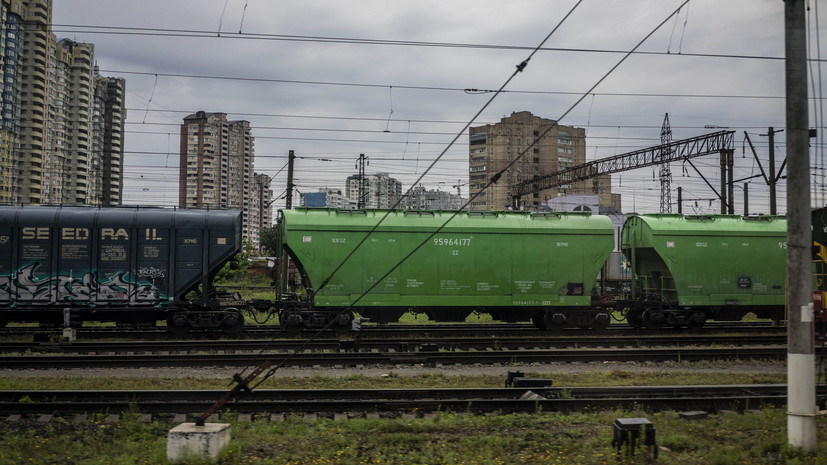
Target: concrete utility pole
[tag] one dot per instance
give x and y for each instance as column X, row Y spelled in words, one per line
column 288, row 203
column 801, row 396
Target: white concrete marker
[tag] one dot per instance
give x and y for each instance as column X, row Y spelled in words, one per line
column 188, row 440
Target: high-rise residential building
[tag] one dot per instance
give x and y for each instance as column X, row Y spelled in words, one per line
column 261, row 209
column 70, row 130
column 10, row 39
column 380, row 190
column 216, row 168
column 108, row 120
column 49, row 114
column 420, row 198
column 494, row 146
column 33, row 163
column 6, row 164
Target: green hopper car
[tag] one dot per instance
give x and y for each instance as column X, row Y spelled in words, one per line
column 513, row 265
column 693, row 268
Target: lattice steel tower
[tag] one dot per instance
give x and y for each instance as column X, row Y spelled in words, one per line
column 665, row 171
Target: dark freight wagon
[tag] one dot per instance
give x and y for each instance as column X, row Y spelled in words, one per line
column 514, row 265
column 137, row 265
column 693, row 268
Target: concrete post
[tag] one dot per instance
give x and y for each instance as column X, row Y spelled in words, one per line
column 801, row 406
column 188, row 441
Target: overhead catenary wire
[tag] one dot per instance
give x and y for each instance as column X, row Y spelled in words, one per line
column 263, row 157
column 432, row 88
column 520, row 68
column 408, row 120
column 196, row 33
column 493, row 180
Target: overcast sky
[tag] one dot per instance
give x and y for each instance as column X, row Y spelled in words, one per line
column 333, row 79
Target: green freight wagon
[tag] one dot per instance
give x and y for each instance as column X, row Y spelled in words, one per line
column 515, row 266
column 693, row 268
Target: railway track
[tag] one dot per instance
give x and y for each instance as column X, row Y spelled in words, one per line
column 393, row 402
column 424, row 358
column 423, row 343
column 380, row 331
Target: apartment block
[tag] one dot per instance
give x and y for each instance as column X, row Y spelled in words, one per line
column 216, row 169
column 380, row 190
column 261, row 209
column 108, row 119
column 420, row 198
column 9, row 57
column 524, row 147
column 49, row 114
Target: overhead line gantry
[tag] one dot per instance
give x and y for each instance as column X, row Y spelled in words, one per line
column 679, row 150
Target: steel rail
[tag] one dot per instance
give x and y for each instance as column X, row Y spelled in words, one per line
column 476, row 400
column 428, row 358
column 458, row 342
column 387, row 331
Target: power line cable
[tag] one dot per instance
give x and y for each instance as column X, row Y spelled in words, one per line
column 494, row 179
column 409, row 120
column 433, row 88
column 520, row 68
column 196, row 33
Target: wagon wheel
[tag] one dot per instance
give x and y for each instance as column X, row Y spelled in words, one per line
column 634, row 318
column 343, row 322
column 601, row 322
column 233, row 322
column 696, row 322
column 178, row 324
column 554, row 321
column 290, row 321
column 653, row 320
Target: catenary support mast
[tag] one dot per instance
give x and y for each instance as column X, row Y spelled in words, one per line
column 801, row 402
column 665, row 170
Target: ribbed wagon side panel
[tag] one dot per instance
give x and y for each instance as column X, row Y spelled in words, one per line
column 504, row 259
column 711, row 260
column 110, row 257
column 203, row 241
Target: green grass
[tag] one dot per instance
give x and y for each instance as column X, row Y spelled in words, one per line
column 443, row 438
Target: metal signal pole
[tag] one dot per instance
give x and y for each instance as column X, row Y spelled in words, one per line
column 801, row 395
